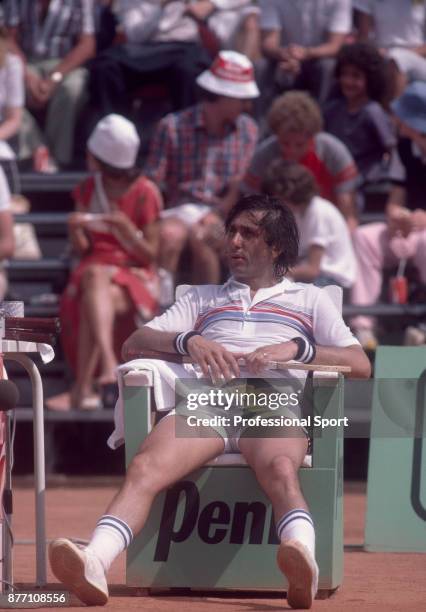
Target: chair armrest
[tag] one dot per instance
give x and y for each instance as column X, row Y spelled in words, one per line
column 272, row 365
column 138, row 378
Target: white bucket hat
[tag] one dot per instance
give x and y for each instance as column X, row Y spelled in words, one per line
column 115, row 141
column 230, row 75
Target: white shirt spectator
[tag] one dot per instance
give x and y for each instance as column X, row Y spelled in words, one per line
column 306, row 22
column 4, row 192
column 226, row 20
column 148, row 20
column 397, row 23
column 12, row 94
column 323, row 225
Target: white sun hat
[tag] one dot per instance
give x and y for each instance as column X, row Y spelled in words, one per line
column 115, row 141
column 230, row 75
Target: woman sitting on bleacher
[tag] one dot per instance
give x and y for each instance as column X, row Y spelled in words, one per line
column 115, row 232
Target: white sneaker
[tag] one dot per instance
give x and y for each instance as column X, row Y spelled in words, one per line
column 298, row 565
column 80, row 571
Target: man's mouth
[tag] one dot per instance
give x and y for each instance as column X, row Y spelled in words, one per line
column 237, row 257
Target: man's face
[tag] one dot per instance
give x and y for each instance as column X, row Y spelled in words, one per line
column 247, row 253
column 293, row 145
column 229, row 109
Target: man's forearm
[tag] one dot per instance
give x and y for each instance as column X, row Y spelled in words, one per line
column 352, row 356
column 328, row 49
column 345, row 202
column 149, row 339
column 83, row 51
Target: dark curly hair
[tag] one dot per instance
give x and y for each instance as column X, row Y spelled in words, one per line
column 278, row 224
column 367, row 59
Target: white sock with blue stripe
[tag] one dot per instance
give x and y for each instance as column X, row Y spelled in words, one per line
column 111, row 536
column 297, row 525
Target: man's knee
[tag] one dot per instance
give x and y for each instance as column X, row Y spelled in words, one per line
column 280, row 468
column 173, row 235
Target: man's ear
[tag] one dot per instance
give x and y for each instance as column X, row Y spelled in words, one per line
column 275, row 252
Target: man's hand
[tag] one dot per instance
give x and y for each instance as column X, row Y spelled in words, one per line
column 214, row 360
column 287, row 62
column 299, row 53
column 46, row 89
column 257, row 360
column 33, row 84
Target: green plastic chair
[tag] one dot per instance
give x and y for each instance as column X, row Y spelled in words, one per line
column 396, row 490
column 214, row 530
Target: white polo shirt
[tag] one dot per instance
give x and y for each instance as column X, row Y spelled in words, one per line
column 228, row 315
column 306, row 22
column 322, row 224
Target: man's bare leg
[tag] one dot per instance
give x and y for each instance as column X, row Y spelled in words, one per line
column 205, row 263
column 173, row 237
column 276, row 462
column 206, row 242
column 162, row 460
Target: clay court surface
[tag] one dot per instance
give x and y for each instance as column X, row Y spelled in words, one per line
column 373, row 581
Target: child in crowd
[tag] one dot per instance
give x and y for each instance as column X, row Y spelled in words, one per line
column 115, row 233
column 325, row 250
column 358, row 118
column 296, row 124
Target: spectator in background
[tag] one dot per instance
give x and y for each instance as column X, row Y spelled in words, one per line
column 302, row 39
column 7, row 241
column 11, row 104
column 198, row 157
column 161, row 45
column 403, row 236
column 115, row 232
column 397, row 27
column 235, row 23
column 296, row 122
column 358, row 118
column 326, row 256
column 54, row 38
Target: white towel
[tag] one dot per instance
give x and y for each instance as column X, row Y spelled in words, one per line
column 165, row 374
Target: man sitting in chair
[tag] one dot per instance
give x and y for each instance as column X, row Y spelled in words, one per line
column 229, row 331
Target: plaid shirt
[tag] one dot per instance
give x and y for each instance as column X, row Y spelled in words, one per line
column 191, row 165
column 57, row 34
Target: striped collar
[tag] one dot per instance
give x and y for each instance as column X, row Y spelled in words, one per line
column 240, row 290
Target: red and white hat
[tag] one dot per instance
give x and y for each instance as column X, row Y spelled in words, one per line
column 230, row 75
